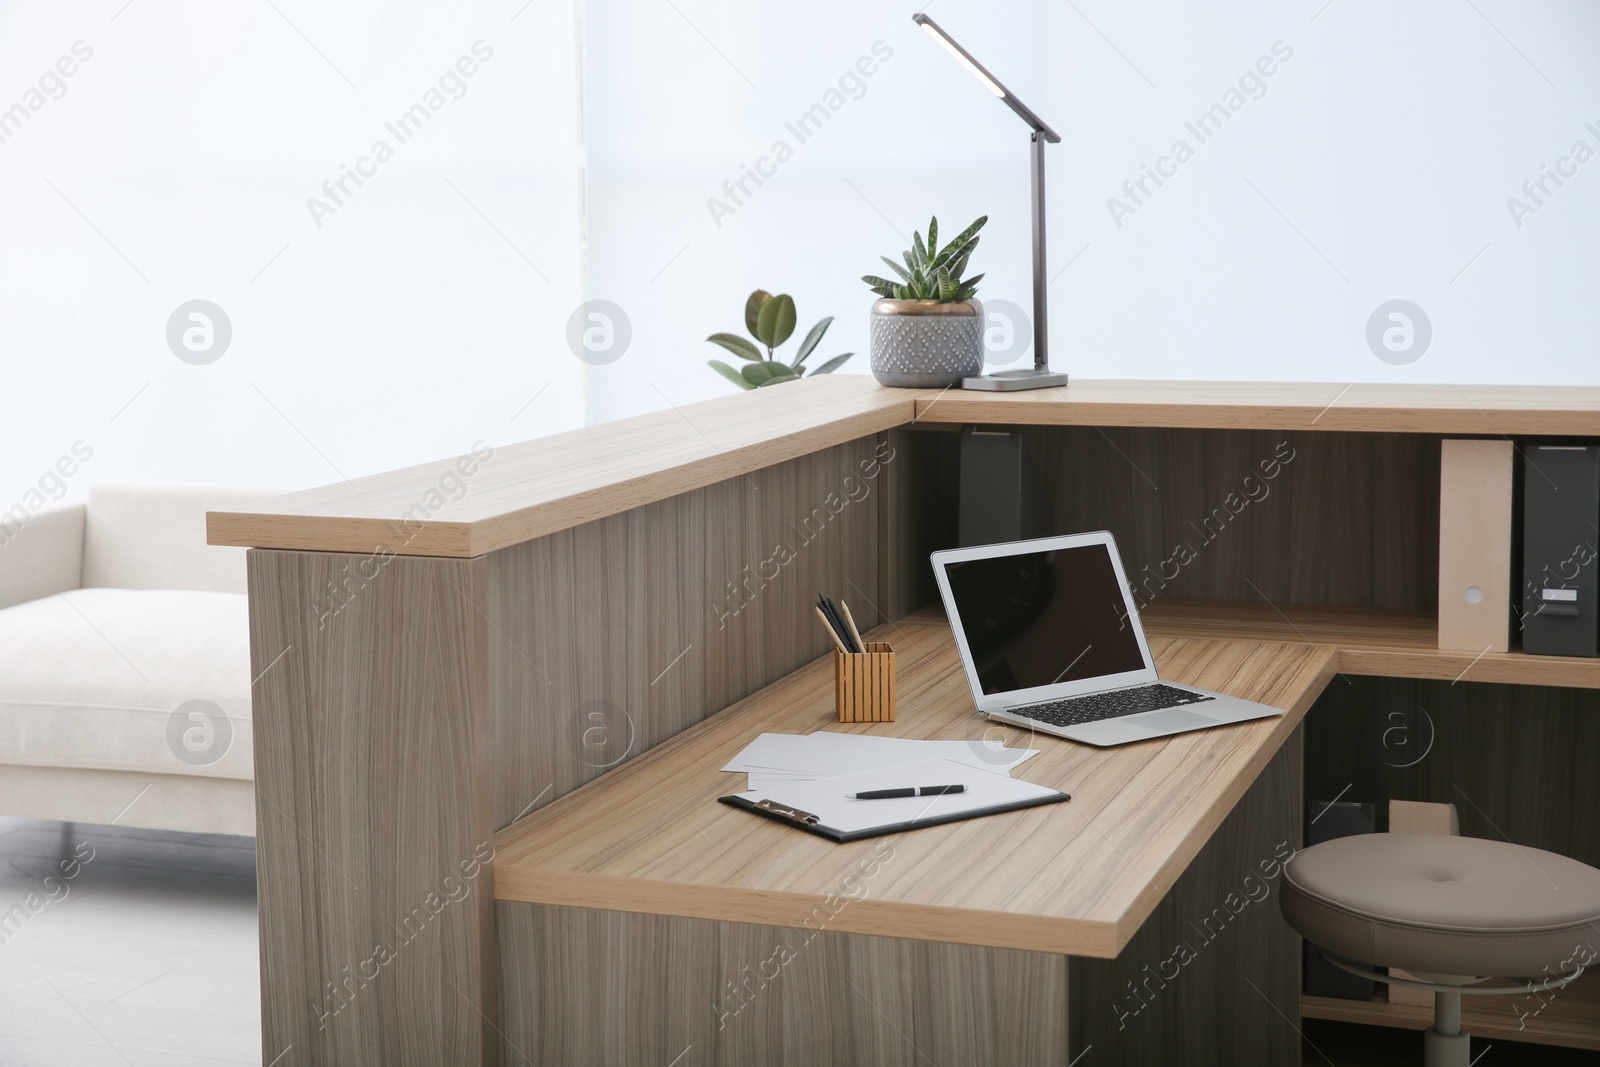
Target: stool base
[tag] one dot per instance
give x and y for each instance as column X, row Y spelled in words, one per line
column 1446, row 1050
column 1445, row 1044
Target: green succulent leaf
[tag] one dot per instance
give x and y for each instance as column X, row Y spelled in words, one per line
column 814, row 336
column 728, row 373
column 897, row 268
column 752, row 310
column 931, row 272
column 959, row 266
column 965, row 234
column 972, row 283
column 776, row 321
column 735, row 344
column 954, row 253
column 832, row 364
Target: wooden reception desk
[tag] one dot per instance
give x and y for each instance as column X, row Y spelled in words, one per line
column 542, row 652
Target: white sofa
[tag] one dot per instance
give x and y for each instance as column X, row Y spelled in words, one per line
column 114, row 615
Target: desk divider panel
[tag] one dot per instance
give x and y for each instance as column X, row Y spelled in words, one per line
column 610, row 638
column 413, row 705
column 1517, row 761
column 1290, row 516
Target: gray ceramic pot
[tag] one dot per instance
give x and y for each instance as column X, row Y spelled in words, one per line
column 923, row 344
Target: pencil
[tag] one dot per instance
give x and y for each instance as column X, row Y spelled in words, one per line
column 851, row 622
column 831, row 631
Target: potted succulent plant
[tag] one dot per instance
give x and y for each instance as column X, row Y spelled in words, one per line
column 770, row 320
column 927, row 331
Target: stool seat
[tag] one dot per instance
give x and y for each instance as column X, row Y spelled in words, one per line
column 1444, row 905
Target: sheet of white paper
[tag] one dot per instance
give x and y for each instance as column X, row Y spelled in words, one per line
column 773, row 779
column 826, row 797
column 763, row 751
column 825, row 753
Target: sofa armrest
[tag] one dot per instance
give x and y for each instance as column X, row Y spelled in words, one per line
column 43, row 555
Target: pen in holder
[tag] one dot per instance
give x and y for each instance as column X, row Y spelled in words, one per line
column 863, row 683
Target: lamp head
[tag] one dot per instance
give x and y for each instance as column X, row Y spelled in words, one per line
column 989, row 81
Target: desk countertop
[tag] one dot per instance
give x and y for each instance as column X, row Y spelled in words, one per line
column 480, row 503
column 1076, row 878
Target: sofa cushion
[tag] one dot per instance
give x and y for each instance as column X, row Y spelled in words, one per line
column 154, row 537
column 101, row 678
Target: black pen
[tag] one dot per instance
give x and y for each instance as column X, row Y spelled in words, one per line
column 909, row 791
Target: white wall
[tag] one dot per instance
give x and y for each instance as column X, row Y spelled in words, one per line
column 402, row 328
column 178, row 162
column 1390, row 140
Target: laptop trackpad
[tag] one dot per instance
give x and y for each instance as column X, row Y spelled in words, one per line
column 1171, row 720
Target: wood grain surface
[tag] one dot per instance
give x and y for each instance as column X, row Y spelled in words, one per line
column 373, row 820
column 537, row 487
column 1383, row 644
column 1516, row 761
column 1492, row 410
column 604, row 987
column 1075, row 878
column 526, row 490
column 1212, row 978
column 608, row 639
column 1568, row 1017
column 1291, row 517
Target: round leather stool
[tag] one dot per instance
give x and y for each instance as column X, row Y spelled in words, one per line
column 1454, row 911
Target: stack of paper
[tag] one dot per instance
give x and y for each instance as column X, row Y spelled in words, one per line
column 842, row 818
column 773, row 760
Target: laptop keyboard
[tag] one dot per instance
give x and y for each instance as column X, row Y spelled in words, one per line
column 1114, row 704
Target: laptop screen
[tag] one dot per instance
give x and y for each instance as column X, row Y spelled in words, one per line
column 1042, row 618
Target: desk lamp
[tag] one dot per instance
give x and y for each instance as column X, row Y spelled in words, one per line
column 1039, row 376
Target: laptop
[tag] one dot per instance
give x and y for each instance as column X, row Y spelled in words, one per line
column 1051, row 641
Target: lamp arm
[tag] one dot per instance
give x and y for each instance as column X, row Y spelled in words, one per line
column 1041, row 283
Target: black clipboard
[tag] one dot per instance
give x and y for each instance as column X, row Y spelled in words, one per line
column 804, row 820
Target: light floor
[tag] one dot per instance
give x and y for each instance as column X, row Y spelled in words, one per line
column 147, row 956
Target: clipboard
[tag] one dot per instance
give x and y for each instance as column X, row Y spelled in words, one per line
column 822, row 806
column 811, row 824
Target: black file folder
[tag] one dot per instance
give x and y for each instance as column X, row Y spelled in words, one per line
column 1560, row 516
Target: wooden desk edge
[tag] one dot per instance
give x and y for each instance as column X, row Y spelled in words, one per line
column 779, row 908
column 1351, row 406
column 1071, row 936
column 319, row 519
column 328, row 531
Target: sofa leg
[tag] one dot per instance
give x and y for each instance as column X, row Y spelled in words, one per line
column 1445, row 1044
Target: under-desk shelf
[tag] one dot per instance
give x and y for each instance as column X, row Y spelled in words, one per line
column 1567, row 1017
column 1388, row 644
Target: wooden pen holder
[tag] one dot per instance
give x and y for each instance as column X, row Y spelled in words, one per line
column 863, row 683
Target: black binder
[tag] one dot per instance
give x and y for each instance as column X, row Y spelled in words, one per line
column 1324, row 822
column 803, row 820
column 1560, row 516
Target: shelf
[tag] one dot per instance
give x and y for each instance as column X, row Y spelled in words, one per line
column 1567, row 1017
column 1384, row 644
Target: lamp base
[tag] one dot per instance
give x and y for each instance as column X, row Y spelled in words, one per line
column 1011, row 381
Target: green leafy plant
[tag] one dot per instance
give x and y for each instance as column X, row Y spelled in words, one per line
column 931, row 272
column 770, row 320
